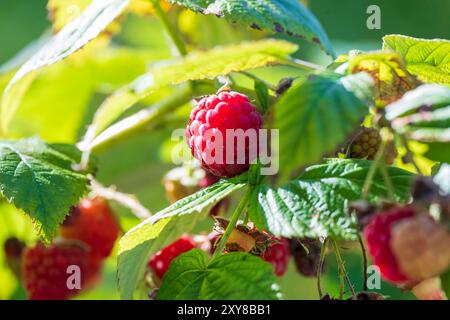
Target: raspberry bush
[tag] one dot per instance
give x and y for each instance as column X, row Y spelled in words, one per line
column 217, row 162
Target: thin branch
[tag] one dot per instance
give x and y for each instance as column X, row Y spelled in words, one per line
column 373, row 169
column 126, row 200
column 364, row 255
column 172, row 32
column 321, row 262
column 233, row 221
column 342, row 266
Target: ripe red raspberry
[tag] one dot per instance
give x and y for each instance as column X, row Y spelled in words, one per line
column 278, row 255
column 160, row 262
column 378, row 236
column 92, row 221
column 212, row 116
column 45, row 270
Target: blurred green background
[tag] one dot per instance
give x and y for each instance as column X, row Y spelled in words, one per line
column 63, row 98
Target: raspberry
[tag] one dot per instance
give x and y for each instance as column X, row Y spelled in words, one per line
column 278, row 255
column 421, row 246
column 160, row 262
column 306, row 253
column 378, row 235
column 45, row 270
column 93, row 223
column 366, row 144
column 212, row 116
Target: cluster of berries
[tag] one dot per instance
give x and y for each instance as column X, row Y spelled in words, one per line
column 243, row 238
column 87, row 239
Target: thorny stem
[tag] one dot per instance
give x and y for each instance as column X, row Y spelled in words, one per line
column 364, row 255
column 233, row 221
column 172, row 32
column 340, row 262
column 126, row 200
column 320, row 267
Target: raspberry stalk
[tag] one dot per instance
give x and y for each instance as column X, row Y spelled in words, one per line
column 233, row 221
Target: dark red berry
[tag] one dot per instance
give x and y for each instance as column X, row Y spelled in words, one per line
column 278, row 255
column 46, row 270
column 378, row 237
column 92, row 222
column 160, row 262
column 211, row 119
column 306, row 254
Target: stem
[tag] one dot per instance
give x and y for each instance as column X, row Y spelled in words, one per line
column 138, row 121
column 387, row 181
column 321, row 261
column 233, row 221
column 342, row 266
column 126, row 200
column 373, row 169
column 172, row 32
column 364, row 254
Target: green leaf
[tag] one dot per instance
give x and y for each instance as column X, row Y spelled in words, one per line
column 75, row 82
column 445, row 283
column 38, row 178
column 422, row 114
column 262, row 93
column 388, row 70
column 316, row 204
column 196, row 66
column 427, row 59
column 287, row 16
column 315, row 116
column 232, row 276
column 438, row 151
column 144, row 240
column 71, row 38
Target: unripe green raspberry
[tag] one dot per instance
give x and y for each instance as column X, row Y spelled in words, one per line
column 366, row 144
